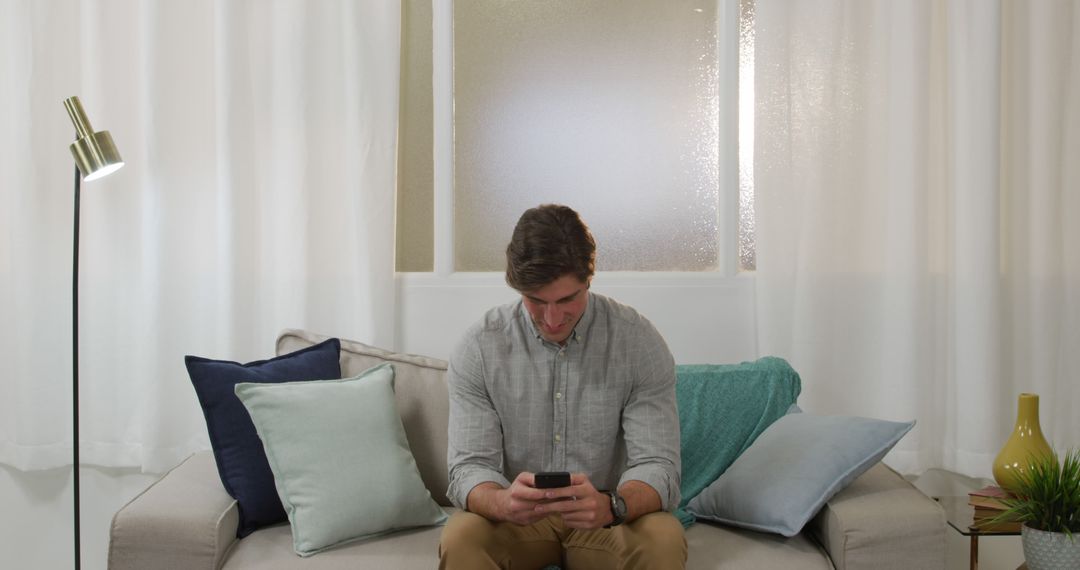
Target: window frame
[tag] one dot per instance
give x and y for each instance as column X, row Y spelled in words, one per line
column 728, row 259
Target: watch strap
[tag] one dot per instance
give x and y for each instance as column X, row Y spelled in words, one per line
column 618, row 509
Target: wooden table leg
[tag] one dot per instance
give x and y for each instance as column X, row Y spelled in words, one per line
column 974, row 556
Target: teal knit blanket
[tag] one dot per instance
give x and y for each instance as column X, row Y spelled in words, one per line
column 723, row 408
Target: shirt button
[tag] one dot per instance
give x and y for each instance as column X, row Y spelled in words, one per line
column 558, row 395
column 558, row 437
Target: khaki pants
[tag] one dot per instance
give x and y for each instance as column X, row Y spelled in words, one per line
column 472, row 542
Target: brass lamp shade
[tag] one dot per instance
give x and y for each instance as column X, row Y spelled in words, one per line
column 95, row 153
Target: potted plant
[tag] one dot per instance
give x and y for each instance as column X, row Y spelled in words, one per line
column 1046, row 500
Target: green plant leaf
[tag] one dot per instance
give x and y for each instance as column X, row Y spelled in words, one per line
column 1047, row 495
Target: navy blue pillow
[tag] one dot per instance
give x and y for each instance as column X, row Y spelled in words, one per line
column 241, row 461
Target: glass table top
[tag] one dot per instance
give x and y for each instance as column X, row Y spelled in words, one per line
column 961, row 516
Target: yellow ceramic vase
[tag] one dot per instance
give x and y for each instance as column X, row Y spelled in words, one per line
column 1025, row 443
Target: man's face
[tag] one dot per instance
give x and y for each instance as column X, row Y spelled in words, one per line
column 556, row 307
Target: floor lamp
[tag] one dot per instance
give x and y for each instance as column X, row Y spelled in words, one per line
column 95, row 157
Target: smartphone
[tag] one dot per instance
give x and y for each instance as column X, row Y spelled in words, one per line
column 552, row 479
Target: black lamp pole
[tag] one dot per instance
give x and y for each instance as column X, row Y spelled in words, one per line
column 75, row 370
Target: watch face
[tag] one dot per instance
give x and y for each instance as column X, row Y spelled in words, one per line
column 620, row 507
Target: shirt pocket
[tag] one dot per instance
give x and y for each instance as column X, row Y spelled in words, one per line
column 601, row 418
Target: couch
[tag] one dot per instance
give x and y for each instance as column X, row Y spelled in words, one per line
column 186, row 520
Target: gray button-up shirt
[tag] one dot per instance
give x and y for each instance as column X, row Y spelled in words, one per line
column 603, row 404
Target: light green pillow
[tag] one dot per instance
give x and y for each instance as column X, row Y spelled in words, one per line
column 341, row 463
column 794, row 468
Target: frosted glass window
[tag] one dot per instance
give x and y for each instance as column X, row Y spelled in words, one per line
column 415, row 198
column 608, row 106
column 747, row 250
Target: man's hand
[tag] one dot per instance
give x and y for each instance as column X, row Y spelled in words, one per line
column 517, row 504
column 580, row 505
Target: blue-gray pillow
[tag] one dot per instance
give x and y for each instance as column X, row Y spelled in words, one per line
column 723, row 408
column 794, row 467
column 238, row 452
column 342, row 465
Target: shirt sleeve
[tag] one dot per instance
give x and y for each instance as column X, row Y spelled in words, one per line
column 475, row 450
column 651, row 421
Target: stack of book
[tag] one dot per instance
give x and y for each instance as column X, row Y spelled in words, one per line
column 988, row 505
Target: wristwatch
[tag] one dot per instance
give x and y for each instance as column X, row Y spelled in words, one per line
column 618, row 509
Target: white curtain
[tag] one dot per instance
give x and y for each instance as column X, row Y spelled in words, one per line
column 258, row 195
column 917, row 177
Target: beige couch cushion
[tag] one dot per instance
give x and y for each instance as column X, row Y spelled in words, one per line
column 712, row 547
column 721, row 547
column 184, row 520
column 419, row 391
column 881, row 521
column 271, row 549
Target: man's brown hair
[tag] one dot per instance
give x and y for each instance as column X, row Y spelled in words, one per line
column 549, row 241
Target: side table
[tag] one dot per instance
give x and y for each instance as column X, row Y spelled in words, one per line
column 961, row 517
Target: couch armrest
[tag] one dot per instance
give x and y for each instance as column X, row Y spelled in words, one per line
column 184, row 520
column 881, row 522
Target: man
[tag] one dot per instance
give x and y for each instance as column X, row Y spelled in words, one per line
column 562, row 380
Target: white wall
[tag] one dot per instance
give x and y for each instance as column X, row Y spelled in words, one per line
column 705, row 318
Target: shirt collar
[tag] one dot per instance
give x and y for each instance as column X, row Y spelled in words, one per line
column 577, row 335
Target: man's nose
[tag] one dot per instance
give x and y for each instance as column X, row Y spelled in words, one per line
column 552, row 314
